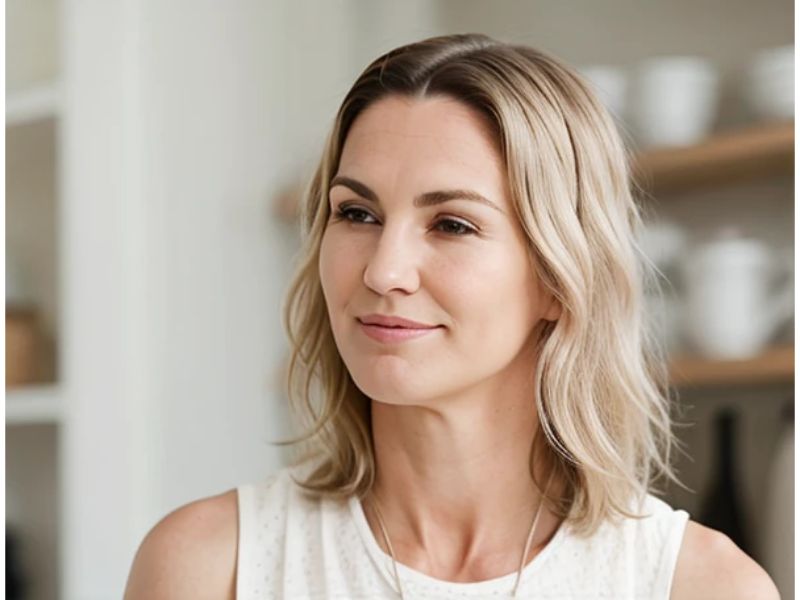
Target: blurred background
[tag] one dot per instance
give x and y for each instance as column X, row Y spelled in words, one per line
column 154, row 153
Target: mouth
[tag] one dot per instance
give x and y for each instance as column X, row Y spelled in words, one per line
column 394, row 333
column 393, row 321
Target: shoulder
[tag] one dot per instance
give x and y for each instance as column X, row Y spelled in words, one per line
column 190, row 553
column 710, row 566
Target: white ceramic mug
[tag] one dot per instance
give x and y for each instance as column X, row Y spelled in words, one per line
column 732, row 308
column 769, row 83
column 674, row 100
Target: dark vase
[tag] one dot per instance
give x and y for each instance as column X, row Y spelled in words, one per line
column 721, row 508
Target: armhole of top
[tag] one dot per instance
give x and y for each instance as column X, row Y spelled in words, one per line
column 244, row 503
column 672, row 547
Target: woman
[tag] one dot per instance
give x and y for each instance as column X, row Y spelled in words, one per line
column 489, row 418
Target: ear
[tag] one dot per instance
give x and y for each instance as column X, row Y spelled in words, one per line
column 552, row 311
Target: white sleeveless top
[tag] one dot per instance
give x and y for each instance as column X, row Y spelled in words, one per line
column 295, row 547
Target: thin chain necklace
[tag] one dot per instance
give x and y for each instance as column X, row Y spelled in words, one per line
column 522, row 559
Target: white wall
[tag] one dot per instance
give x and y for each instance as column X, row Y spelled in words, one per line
column 179, row 131
column 31, row 44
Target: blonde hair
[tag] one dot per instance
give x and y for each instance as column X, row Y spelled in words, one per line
column 603, row 395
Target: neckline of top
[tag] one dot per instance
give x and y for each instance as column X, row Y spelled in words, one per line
column 409, row 574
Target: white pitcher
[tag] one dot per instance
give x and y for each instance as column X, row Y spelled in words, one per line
column 732, row 305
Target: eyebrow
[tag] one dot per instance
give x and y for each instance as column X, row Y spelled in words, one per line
column 423, row 200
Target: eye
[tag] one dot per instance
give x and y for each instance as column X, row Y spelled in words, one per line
column 352, row 214
column 359, row 215
column 454, row 227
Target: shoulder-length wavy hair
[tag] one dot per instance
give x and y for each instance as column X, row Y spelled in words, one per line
column 602, row 389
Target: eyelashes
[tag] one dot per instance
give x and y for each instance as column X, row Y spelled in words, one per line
column 452, row 226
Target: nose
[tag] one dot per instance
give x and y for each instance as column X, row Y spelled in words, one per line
column 393, row 263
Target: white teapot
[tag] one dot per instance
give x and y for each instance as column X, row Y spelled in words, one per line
column 732, row 305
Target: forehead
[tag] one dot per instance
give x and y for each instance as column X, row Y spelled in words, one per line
column 424, row 142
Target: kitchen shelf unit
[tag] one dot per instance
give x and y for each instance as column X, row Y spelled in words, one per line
column 35, row 411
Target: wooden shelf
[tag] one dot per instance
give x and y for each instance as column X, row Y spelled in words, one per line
column 775, row 365
column 41, row 102
column 745, row 155
column 33, row 404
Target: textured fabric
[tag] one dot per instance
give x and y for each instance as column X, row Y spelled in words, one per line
column 292, row 546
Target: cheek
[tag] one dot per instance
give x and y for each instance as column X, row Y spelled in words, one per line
column 339, row 267
column 493, row 293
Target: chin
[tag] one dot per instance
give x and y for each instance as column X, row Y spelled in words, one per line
column 390, row 383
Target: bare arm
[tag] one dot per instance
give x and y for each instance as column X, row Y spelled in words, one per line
column 189, row 554
column 711, row 567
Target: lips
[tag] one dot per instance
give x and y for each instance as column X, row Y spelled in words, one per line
column 393, row 322
column 389, row 335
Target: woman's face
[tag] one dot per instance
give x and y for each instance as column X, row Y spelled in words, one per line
column 422, row 227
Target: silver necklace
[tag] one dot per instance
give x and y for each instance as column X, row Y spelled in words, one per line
column 522, row 559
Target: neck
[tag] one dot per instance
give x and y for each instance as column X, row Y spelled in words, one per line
column 454, row 486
